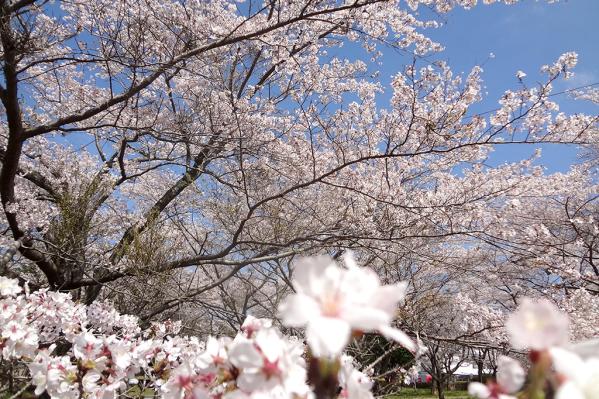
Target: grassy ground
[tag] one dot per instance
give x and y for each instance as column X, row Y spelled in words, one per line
column 425, row 393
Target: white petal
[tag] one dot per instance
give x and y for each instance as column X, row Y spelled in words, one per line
column 537, row 324
column 566, row 363
column 510, row 375
column 244, row 355
column 348, row 259
column 400, row 337
column 309, row 271
column 569, row 390
column 250, row 382
column 298, row 309
column 236, row 394
column 327, row 336
column 360, row 284
column 271, row 344
column 388, row 296
column 365, row 318
column 200, row 392
column 586, row 349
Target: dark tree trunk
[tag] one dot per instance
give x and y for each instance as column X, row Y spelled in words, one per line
column 479, row 364
column 440, row 388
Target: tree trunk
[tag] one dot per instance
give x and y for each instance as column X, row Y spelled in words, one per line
column 440, row 389
column 479, row 364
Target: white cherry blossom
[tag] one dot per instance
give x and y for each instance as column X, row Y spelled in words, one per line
column 332, row 302
column 579, row 377
column 537, row 324
column 9, row 287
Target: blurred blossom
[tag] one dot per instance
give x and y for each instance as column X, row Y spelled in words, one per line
column 580, row 378
column 537, row 325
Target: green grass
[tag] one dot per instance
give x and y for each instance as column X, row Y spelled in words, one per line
column 425, row 393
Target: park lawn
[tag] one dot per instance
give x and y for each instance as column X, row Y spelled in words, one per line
column 425, row 393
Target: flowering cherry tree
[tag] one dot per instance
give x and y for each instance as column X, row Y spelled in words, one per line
column 220, row 136
column 175, row 160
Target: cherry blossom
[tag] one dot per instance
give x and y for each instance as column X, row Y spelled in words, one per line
column 510, row 374
column 537, row 324
column 578, row 377
column 170, row 160
column 332, row 302
column 268, row 361
column 9, row 287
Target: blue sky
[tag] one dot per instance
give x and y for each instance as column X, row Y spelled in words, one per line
column 521, row 37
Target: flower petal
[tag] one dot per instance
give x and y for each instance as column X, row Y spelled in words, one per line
column 298, row 309
column 308, row 273
column 569, row 390
column 250, row 382
column 327, row 336
column 365, row 318
column 566, row 363
column 244, row 354
column 510, row 375
column 400, row 337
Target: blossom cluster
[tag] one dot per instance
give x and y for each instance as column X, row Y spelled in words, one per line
column 72, row 350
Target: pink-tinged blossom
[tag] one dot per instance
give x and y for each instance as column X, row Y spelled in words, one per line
column 215, row 355
column 580, row 378
column 120, row 352
column 267, row 362
column 20, row 340
column 86, row 347
column 38, row 369
column 181, row 383
column 253, row 324
column 537, row 324
column 482, row 391
column 56, row 375
column 479, row 390
column 332, row 302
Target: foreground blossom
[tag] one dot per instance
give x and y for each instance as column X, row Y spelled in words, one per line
column 510, row 374
column 537, row 325
column 332, row 302
column 269, row 361
column 259, row 363
column 580, row 378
